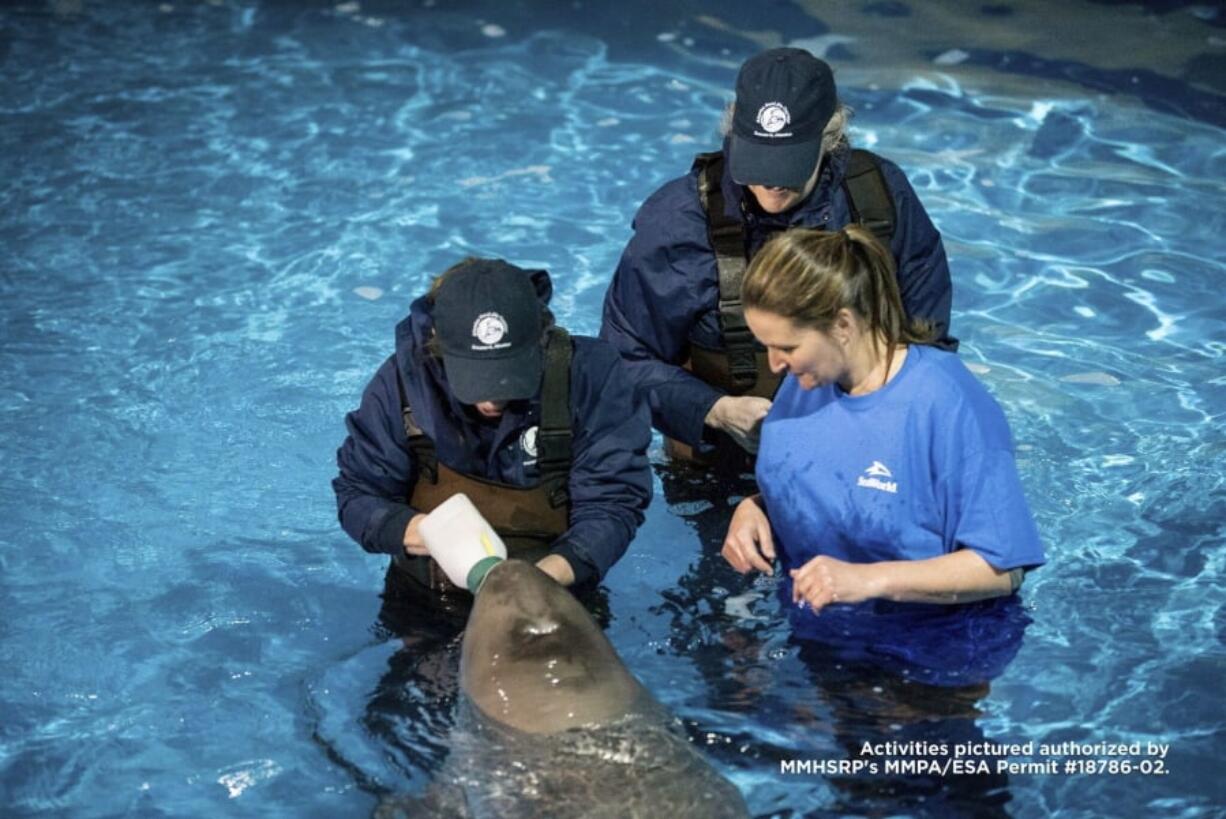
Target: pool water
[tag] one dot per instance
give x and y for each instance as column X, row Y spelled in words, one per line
column 214, row 213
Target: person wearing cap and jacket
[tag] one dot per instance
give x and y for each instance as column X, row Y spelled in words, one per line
column 673, row 307
column 484, row 395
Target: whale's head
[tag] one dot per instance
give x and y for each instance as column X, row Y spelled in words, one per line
column 534, row 659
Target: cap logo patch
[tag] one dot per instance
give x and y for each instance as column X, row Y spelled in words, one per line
column 773, row 117
column 489, row 329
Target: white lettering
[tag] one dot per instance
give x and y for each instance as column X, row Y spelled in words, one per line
column 877, row 483
column 1157, row 749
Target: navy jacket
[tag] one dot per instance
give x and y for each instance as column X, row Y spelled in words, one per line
column 610, row 481
column 666, row 289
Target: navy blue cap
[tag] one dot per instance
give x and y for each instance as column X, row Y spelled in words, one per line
column 784, row 100
column 487, row 319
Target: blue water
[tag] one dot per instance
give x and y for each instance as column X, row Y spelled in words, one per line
column 212, row 216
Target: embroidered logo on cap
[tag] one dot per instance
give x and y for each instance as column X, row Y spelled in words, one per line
column 774, row 117
column 489, row 329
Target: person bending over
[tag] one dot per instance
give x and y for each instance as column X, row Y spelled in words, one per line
column 485, row 395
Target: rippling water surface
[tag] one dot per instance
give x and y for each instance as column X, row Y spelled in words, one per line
column 213, row 214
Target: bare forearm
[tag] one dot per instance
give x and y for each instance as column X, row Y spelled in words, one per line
column 959, row 577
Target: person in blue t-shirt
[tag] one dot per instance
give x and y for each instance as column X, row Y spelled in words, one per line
column 886, row 469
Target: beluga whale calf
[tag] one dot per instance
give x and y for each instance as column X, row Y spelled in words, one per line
column 552, row 724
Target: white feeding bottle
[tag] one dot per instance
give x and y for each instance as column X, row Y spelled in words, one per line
column 462, row 542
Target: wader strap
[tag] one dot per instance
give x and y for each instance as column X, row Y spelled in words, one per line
column 420, row 443
column 553, row 439
column 868, row 196
column 712, row 367
column 728, row 241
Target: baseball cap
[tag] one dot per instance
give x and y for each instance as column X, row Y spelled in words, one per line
column 784, row 99
column 487, row 319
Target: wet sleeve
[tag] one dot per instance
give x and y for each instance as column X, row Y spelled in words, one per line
column 652, row 305
column 986, row 505
column 375, row 468
column 993, row 518
column 923, row 270
column 610, row 479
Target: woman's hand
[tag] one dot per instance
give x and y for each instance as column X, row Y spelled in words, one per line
column 825, row 580
column 748, row 544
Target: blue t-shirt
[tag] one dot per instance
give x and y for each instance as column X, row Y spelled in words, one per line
column 917, row 469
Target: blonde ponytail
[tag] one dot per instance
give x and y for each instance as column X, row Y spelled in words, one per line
column 808, row 276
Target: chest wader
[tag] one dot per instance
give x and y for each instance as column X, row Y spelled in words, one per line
column 740, row 366
column 527, row 518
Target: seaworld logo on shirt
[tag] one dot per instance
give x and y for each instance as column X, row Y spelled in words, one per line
column 872, row 478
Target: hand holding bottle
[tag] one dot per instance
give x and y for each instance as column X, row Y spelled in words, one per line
column 461, row 541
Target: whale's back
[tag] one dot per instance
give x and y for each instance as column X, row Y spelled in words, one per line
column 641, row 765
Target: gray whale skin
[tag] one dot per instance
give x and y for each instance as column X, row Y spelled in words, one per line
column 553, row 725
